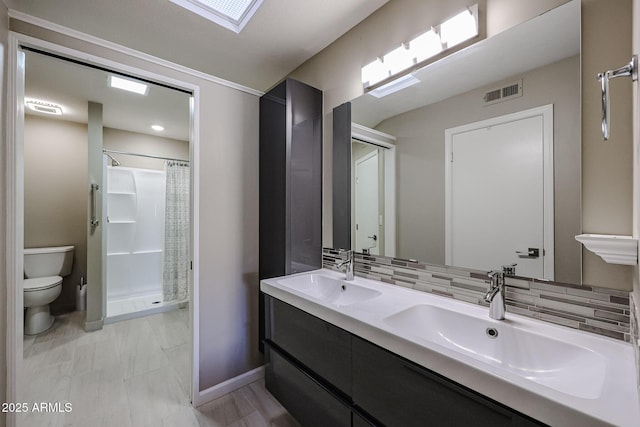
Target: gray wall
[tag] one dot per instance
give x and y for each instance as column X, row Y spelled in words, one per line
column 55, row 185
column 4, row 25
column 228, row 214
column 420, row 161
column 607, row 168
column 55, row 180
column 122, row 140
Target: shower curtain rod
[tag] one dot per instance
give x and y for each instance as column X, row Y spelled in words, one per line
column 104, row 150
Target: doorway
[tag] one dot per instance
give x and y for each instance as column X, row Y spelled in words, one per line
column 499, row 193
column 368, row 193
column 373, row 191
column 20, row 54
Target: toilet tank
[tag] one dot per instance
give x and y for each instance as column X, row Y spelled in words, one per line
column 52, row 261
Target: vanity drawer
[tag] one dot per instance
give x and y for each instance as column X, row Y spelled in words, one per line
column 320, row 346
column 400, row 393
column 308, row 401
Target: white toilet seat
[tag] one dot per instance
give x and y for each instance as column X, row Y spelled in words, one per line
column 41, row 283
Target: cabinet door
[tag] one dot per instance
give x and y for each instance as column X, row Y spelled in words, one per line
column 320, row 346
column 400, row 393
column 307, row 401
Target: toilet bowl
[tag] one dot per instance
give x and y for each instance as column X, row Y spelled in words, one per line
column 38, row 294
column 43, row 269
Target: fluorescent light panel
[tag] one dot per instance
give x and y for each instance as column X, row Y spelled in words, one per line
column 394, row 86
column 43, row 107
column 128, row 85
column 230, row 14
column 450, row 33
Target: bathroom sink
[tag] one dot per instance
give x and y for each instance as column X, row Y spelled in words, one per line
column 328, row 289
column 559, row 365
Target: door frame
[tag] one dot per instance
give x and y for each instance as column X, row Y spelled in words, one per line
column 546, row 112
column 15, row 197
column 379, row 139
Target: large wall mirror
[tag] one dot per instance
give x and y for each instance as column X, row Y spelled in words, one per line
column 478, row 164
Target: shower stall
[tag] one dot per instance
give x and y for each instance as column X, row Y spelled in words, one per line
column 136, row 202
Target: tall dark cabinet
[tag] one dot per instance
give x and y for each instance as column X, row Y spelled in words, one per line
column 290, row 182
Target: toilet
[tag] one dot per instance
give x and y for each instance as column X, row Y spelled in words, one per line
column 43, row 271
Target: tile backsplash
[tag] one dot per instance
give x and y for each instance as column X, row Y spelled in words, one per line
column 588, row 308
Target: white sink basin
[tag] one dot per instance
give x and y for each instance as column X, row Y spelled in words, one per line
column 562, row 366
column 328, row 290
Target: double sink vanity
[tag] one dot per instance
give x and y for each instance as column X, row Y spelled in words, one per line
column 363, row 352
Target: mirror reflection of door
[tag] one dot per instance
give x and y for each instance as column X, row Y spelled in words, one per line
column 367, row 203
column 368, row 197
column 497, row 210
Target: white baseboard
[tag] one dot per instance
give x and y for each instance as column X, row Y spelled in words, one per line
column 228, row 386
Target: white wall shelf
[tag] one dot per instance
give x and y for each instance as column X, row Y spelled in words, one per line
column 613, row 249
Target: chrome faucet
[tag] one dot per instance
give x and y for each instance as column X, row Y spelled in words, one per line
column 495, row 295
column 348, row 263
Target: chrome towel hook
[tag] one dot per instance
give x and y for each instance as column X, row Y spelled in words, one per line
column 631, row 69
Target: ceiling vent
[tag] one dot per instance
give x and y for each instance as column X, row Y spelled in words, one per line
column 504, row 93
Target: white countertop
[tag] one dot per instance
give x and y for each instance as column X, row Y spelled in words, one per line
column 617, row 404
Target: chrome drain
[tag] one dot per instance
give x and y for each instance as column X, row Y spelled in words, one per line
column 492, row 333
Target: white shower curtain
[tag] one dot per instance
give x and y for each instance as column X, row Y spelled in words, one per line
column 175, row 283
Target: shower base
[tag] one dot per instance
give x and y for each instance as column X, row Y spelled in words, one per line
column 139, row 306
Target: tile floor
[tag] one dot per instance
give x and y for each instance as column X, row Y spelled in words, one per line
column 133, row 373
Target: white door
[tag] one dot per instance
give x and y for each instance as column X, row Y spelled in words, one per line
column 500, row 209
column 366, row 197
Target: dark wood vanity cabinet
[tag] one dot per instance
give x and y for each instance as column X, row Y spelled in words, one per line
column 326, row 376
column 306, row 399
column 398, row 392
column 290, row 214
column 321, row 347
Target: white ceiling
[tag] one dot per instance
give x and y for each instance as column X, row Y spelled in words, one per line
column 281, row 36
column 72, row 86
column 540, row 41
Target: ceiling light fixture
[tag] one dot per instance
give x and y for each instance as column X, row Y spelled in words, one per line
column 394, row 86
column 43, row 107
column 461, row 27
column 230, row 14
column 157, row 128
column 448, row 34
column 128, row 85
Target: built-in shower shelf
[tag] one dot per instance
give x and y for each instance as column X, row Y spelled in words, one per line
column 121, row 222
column 153, row 251
column 122, row 193
column 118, row 253
column 613, row 249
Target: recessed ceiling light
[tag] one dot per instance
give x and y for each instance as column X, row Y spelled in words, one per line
column 231, row 14
column 157, row 128
column 44, row 107
column 128, row 85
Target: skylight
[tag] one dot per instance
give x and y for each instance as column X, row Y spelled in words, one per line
column 231, row 14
